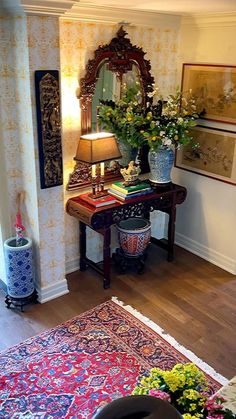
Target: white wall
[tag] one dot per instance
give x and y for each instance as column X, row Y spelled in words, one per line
column 206, row 222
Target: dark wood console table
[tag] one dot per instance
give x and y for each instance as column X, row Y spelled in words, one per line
column 164, row 198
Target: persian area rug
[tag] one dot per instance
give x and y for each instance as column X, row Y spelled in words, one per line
column 75, row 368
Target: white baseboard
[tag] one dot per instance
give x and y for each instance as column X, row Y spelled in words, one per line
column 72, row 265
column 206, row 253
column 52, row 291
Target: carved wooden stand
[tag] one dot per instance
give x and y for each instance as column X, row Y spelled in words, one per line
column 123, row 261
column 21, row 302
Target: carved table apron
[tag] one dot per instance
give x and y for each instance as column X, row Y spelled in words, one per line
column 164, row 198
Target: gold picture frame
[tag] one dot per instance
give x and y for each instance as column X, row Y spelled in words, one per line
column 215, row 156
column 214, row 87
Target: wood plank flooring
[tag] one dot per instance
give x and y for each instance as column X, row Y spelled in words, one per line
column 191, row 299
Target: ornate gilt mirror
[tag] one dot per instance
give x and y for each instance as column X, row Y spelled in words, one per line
column 112, row 65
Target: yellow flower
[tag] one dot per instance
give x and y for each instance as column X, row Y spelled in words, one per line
column 192, row 406
column 191, row 394
column 195, row 416
column 174, row 379
column 149, row 116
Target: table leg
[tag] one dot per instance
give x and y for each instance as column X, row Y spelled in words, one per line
column 106, row 257
column 82, row 245
column 171, row 234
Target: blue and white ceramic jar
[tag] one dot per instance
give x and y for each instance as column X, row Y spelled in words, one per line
column 19, row 267
column 160, row 162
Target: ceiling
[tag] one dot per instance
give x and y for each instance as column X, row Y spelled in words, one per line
column 120, row 10
column 180, row 7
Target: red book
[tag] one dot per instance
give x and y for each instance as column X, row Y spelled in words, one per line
column 98, row 202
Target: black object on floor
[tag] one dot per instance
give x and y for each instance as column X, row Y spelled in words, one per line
column 138, row 407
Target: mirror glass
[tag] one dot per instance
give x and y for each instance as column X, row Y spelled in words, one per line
column 109, row 87
column 132, row 77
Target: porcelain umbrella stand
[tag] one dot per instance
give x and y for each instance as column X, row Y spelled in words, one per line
column 20, row 273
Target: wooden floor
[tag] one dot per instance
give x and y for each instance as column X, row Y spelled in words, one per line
column 191, row 299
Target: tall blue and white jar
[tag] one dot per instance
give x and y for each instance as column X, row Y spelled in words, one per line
column 160, row 162
column 19, row 267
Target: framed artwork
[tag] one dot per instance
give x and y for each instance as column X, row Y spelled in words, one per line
column 215, row 156
column 214, row 87
column 49, row 128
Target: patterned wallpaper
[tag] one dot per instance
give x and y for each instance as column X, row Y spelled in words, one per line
column 29, row 44
column 16, row 122
column 43, row 41
column 78, row 40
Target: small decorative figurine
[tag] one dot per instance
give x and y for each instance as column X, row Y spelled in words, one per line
column 131, row 173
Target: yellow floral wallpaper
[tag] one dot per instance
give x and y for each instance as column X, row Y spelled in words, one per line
column 78, row 41
column 43, row 41
column 16, row 123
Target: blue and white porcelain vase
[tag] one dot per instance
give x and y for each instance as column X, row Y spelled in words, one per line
column 19, row 267
column 160, row 162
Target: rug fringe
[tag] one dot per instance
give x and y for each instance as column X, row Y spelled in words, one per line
column 189, row 354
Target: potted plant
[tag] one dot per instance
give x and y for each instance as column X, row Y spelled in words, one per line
column 162, row 124
column 185, row 387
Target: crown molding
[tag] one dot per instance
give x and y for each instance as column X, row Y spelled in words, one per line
column 210, row 20
column 47, row 7
column 101, row 14
column 82, row 11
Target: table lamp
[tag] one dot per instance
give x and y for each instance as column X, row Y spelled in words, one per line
column 96, row 148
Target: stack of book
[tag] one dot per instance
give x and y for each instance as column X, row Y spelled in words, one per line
column 125, row 193
column 97, row 202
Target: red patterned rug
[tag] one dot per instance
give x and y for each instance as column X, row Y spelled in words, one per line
column 73, row 369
